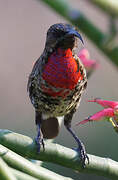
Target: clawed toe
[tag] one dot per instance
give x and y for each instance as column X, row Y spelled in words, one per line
column 39, row 139
column 83, row 155
column 39, row 142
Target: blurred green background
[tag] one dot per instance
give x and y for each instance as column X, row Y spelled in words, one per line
column 23, row 26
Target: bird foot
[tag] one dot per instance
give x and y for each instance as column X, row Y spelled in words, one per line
column 40, row 142
column 82, row 154
column 80, row 149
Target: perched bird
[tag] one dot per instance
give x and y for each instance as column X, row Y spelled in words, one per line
column 56, row 84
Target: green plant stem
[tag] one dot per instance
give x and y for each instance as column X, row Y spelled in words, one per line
column 55, row 153
column 109, row 6
column 22, row 176
column 5, row 172
column 80, row 21
column 16, row 161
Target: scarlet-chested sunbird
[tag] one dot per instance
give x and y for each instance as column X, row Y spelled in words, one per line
column 56, row 84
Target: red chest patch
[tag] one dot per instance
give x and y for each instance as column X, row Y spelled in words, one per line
column 61, row 71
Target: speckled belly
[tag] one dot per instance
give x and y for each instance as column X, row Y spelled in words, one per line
column 59, row 106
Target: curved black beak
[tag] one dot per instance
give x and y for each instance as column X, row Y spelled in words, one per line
column 75, row 33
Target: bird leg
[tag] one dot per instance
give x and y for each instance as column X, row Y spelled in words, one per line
column 39, row 138
column 80, row 149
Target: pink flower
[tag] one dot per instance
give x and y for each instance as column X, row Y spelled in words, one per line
column 89, row 64
column 110, row 113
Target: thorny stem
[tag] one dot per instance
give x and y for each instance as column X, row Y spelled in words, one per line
column 58, row 154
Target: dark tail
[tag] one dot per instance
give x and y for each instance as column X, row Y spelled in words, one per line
column 49, row 127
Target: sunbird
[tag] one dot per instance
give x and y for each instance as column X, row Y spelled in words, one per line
column 56, row 84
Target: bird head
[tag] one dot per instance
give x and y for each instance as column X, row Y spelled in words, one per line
column 62, row 36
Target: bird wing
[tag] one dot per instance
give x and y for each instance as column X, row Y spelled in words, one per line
column 82, row 70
